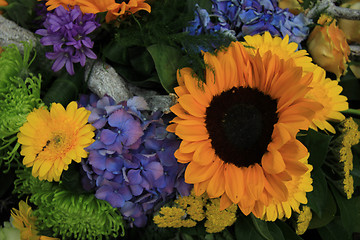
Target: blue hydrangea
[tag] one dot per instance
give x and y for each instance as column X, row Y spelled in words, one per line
column 249, row 17
column 131, row 164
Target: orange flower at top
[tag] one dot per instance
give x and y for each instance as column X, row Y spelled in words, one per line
column 328, row 46
column 52, row 4
column 3, row 3
column 113, row 8
column 239, row 130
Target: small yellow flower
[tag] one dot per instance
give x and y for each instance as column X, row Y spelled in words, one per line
column 340, row 159
column 52, row 139
column 194, row 205
column 348, row 185
column 25, row 222
column 217, row 220
column 328, row 47
column 173, row 217
column 303, row 220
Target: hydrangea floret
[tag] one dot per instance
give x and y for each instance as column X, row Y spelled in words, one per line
column 132, row 163
column 249, row 17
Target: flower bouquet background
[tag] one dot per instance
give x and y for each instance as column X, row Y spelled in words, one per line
column 207, row 119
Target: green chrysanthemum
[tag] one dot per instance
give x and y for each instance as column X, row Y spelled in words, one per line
column 19, row 95
column 69, row 214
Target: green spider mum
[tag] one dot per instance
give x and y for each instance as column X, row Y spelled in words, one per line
column 19, row 95
column 69, row 214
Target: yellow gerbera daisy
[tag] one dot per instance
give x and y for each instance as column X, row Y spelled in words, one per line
column 325, row 91
column 25, row 222
column 239, row 127
column 52, row 139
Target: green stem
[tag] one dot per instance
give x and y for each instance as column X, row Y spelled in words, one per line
column 352, row 111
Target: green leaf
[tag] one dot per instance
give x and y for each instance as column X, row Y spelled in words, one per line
column 317, row 199
column 206, row 4
column 287, row 231
column 63, row 91
column 141, row 61
column 349, row 211
column 245, row 230
column 166, row 60
column 328, row 213
column 268, row 230
column 117, row 52
column 350, row 86
column 317, row 144
column 334, row 231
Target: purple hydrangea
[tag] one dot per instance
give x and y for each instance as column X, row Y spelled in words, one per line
column 249, row 17
column 132, row 163
column 66, row 31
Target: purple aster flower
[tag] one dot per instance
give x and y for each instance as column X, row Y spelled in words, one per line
column 66, row 31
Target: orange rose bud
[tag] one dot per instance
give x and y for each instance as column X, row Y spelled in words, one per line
column 328, row 46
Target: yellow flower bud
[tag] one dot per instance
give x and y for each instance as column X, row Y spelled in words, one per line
column 351, row 28
column 328, row 47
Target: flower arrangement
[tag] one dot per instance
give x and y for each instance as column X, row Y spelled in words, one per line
column 181, row 119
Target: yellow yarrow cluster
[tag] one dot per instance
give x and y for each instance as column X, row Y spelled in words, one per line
column 173, row 217
column 342, row 153
column 303, row 220
column 193, row 205
column 189, row 210
column 216, row 220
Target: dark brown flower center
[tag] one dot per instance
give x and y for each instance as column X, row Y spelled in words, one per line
column 240, row 123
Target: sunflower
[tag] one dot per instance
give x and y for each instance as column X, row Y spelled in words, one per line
column 52, row 139
column 238, row 129
column 324, row 90
column 24, row 220
column 113, row 8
